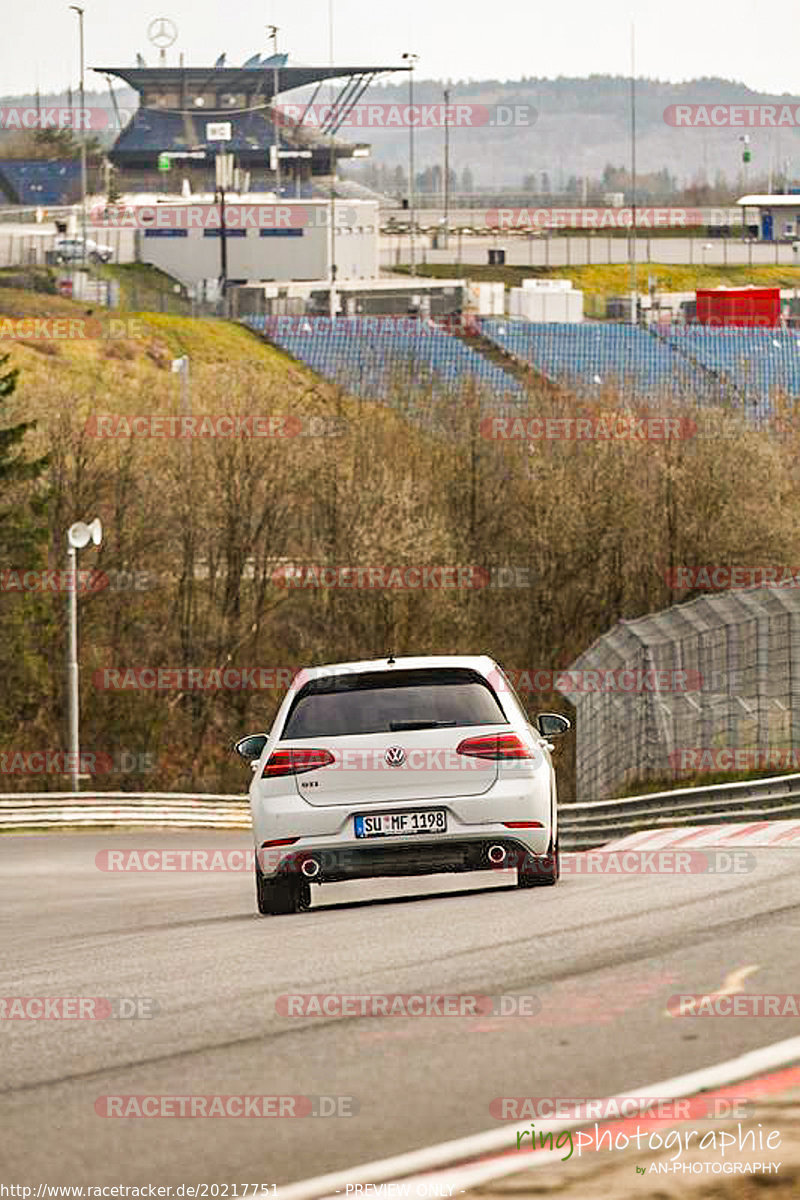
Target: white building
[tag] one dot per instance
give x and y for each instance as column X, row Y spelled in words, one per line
column 777, row 217
column 264, row 240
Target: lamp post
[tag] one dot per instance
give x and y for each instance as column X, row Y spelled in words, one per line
column 333, row 303
column 446, row 165
column 272, row 32
column 78, row 536
column 411, row 59
column 79, row 11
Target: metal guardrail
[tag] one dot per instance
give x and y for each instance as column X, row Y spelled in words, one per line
column 582, row 825
column 127, row 810
column 587, row 825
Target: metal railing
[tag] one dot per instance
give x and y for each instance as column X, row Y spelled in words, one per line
column 582, row 825
column 128, row 810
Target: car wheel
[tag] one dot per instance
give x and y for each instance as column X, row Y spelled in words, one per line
column 540, row 872
column 94, row 257
column 282, row 896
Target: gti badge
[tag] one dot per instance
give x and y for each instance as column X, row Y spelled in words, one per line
column 395, row 756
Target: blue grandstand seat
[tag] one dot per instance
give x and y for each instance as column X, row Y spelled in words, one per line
column 34, row 182
column 381, row 358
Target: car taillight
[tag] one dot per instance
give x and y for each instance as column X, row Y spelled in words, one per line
column 494, row 745
column 295, row 762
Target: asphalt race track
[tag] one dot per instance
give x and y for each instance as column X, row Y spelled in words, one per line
column 601, row 954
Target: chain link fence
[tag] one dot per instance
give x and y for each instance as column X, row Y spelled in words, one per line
column 710, row 686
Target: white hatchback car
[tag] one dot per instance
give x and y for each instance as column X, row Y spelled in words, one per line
column 407, row 766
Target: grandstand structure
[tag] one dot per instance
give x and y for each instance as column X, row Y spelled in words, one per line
column 182, row 108
column 743, row 368
column 39, row 183
column 396, row 361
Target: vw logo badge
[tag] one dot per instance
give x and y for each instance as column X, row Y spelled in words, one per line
column 395, row 756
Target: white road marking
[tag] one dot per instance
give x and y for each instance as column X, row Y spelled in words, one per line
column 452, row 1163
column 732, row 984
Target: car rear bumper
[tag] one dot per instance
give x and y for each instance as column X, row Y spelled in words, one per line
column 390, row 857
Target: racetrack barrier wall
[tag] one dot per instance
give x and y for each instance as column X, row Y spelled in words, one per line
column 581, row 826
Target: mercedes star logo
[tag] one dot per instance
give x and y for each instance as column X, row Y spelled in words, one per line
column 162, row 32
column 395, row 756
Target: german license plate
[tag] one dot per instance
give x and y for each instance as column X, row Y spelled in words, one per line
column 424, row 820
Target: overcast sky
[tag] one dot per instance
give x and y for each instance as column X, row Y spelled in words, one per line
column 456, row 39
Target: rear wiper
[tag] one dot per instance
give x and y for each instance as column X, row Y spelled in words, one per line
column 394, row 726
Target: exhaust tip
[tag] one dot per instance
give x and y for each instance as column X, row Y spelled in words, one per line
column 497, row 854
column 310, row 868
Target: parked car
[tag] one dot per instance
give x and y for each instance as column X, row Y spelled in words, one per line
column 71, row 250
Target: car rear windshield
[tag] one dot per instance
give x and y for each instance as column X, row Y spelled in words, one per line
column 389, row 701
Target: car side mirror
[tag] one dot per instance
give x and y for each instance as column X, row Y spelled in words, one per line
column 552, row 724
column 251, row 748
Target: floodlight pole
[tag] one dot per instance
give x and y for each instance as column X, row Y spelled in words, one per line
column 72, row 669
column 332, row 167
column 272, row 31
column 634, row 285
column 446, row 165
column 80, row 11
column 412, row 199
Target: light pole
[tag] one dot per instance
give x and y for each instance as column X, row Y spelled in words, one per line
column 634, row 284
column 411, row 59
column 332, row 166
column 446, row 165
column 272, row 31
column 78, row 536
column 79, row 11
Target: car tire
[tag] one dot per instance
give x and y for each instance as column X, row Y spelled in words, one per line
column 281, row 896
column 95, row 258
column 540, row 872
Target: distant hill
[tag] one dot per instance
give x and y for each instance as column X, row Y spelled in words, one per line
column 581, row 126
